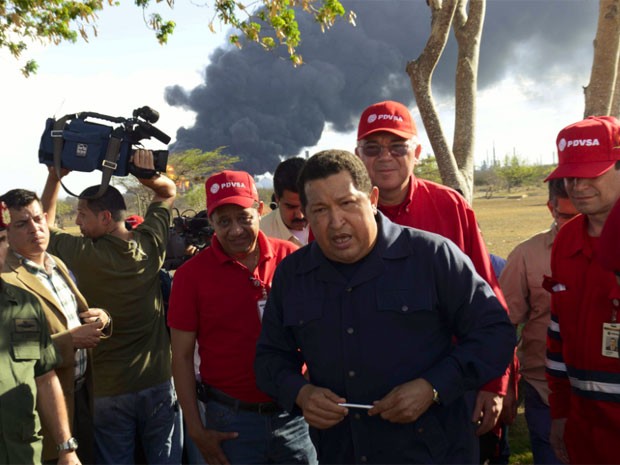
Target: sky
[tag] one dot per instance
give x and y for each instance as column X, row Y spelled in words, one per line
column 535, row 59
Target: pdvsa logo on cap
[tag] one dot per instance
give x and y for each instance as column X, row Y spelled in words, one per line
column 562, row 144
column 215, row 188
column 372, row 118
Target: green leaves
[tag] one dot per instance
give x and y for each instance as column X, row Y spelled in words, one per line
column 273, row 23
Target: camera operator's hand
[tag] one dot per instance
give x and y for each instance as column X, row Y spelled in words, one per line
column 165, row 190
column 143, row 159
column 63, row 172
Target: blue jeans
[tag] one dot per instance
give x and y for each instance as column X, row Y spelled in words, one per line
column 194, row 456
column 538, row 418
column 152, row 414
column 276, row 438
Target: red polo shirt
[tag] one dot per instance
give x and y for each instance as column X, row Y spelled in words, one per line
column 217, row 297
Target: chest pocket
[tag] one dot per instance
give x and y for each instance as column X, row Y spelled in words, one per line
column 25, row 339
column 26, row 346
column 404, row 301
column 301, row 313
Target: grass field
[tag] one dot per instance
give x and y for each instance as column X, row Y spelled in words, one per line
column 508, row 219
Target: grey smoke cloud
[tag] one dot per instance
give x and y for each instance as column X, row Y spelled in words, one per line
column 261, row 108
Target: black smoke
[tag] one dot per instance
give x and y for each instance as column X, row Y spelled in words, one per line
column 261, row 108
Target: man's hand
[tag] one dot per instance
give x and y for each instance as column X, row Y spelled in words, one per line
column 510, row 404
column 556, row 438
column 487, row 410
column 93, row 315
column 405, row 403
column 68, row 458
column 320, row 406
column 52, row 172
column 209, row 442
column 143, row 159
column 86, row 336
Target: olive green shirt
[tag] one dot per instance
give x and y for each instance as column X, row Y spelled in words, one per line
column 122, row 277
column 26, row 352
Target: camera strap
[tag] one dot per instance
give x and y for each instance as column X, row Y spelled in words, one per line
column 108, row 165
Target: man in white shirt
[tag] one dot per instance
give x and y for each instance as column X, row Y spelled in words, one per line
column 287, row 222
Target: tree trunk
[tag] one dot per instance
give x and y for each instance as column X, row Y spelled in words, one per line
column 468, row 30
column 456, row 165
column 600, row 93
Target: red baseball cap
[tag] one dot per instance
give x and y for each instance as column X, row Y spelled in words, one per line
column 225, row 187
column 588, row 148
column 387, row 116
column 4, row 216
column 609, row 245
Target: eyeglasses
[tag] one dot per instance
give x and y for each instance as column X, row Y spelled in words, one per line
column 374, row 149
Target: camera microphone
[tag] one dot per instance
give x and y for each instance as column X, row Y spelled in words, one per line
column 147, row 113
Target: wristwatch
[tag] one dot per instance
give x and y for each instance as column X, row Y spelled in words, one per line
column 69, row 445
column 436, row 396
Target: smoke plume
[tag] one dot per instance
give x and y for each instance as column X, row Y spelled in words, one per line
column 261, row 108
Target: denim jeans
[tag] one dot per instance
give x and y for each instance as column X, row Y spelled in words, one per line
column 194, row 456
column 538, row 418
column 276, row 438
column 152, row 414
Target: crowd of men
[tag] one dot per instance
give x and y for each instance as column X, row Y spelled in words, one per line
column 360, row 321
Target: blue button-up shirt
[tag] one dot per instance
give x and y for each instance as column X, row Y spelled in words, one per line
column 414, row 308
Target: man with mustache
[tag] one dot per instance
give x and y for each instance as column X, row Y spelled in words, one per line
column 75, row 328
column 287, row 222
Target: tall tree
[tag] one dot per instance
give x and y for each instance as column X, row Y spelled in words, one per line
column 456, row 163
column 602, row 94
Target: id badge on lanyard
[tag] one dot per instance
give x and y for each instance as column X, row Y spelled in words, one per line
column 611, row 334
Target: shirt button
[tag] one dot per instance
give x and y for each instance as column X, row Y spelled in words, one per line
column 363, row 459
column 349, row 289
column 357, row 416
column 420, row 430
column 351, row 374
column 404, row 308
column 301, row 322
column 616, row 302
column 350, row 330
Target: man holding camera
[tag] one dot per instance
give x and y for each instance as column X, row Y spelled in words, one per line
column 75, row 328
column 118, row 270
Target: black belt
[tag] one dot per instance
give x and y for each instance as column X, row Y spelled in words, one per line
column 206, row 393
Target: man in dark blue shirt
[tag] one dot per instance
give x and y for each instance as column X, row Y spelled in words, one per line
column 392, row 322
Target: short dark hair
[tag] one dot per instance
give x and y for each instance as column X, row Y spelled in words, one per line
column 285, row 175
column 557, row 190
column 111, row 200
column 19, row 198
column 329, row 162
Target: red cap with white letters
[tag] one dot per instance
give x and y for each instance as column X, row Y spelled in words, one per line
column 588, row 148
column 230, row 187
column 386, row 116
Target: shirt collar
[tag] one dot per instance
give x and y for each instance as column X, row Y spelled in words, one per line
column 49, row 264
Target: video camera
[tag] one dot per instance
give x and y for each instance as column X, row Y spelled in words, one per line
column 186, row 232
column 76, row 144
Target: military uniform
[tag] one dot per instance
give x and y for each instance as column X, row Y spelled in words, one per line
column 26, row 352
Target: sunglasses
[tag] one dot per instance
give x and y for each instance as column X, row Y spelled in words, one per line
column 374, row 149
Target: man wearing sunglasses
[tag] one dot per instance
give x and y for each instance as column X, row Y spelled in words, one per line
column 388, row 145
